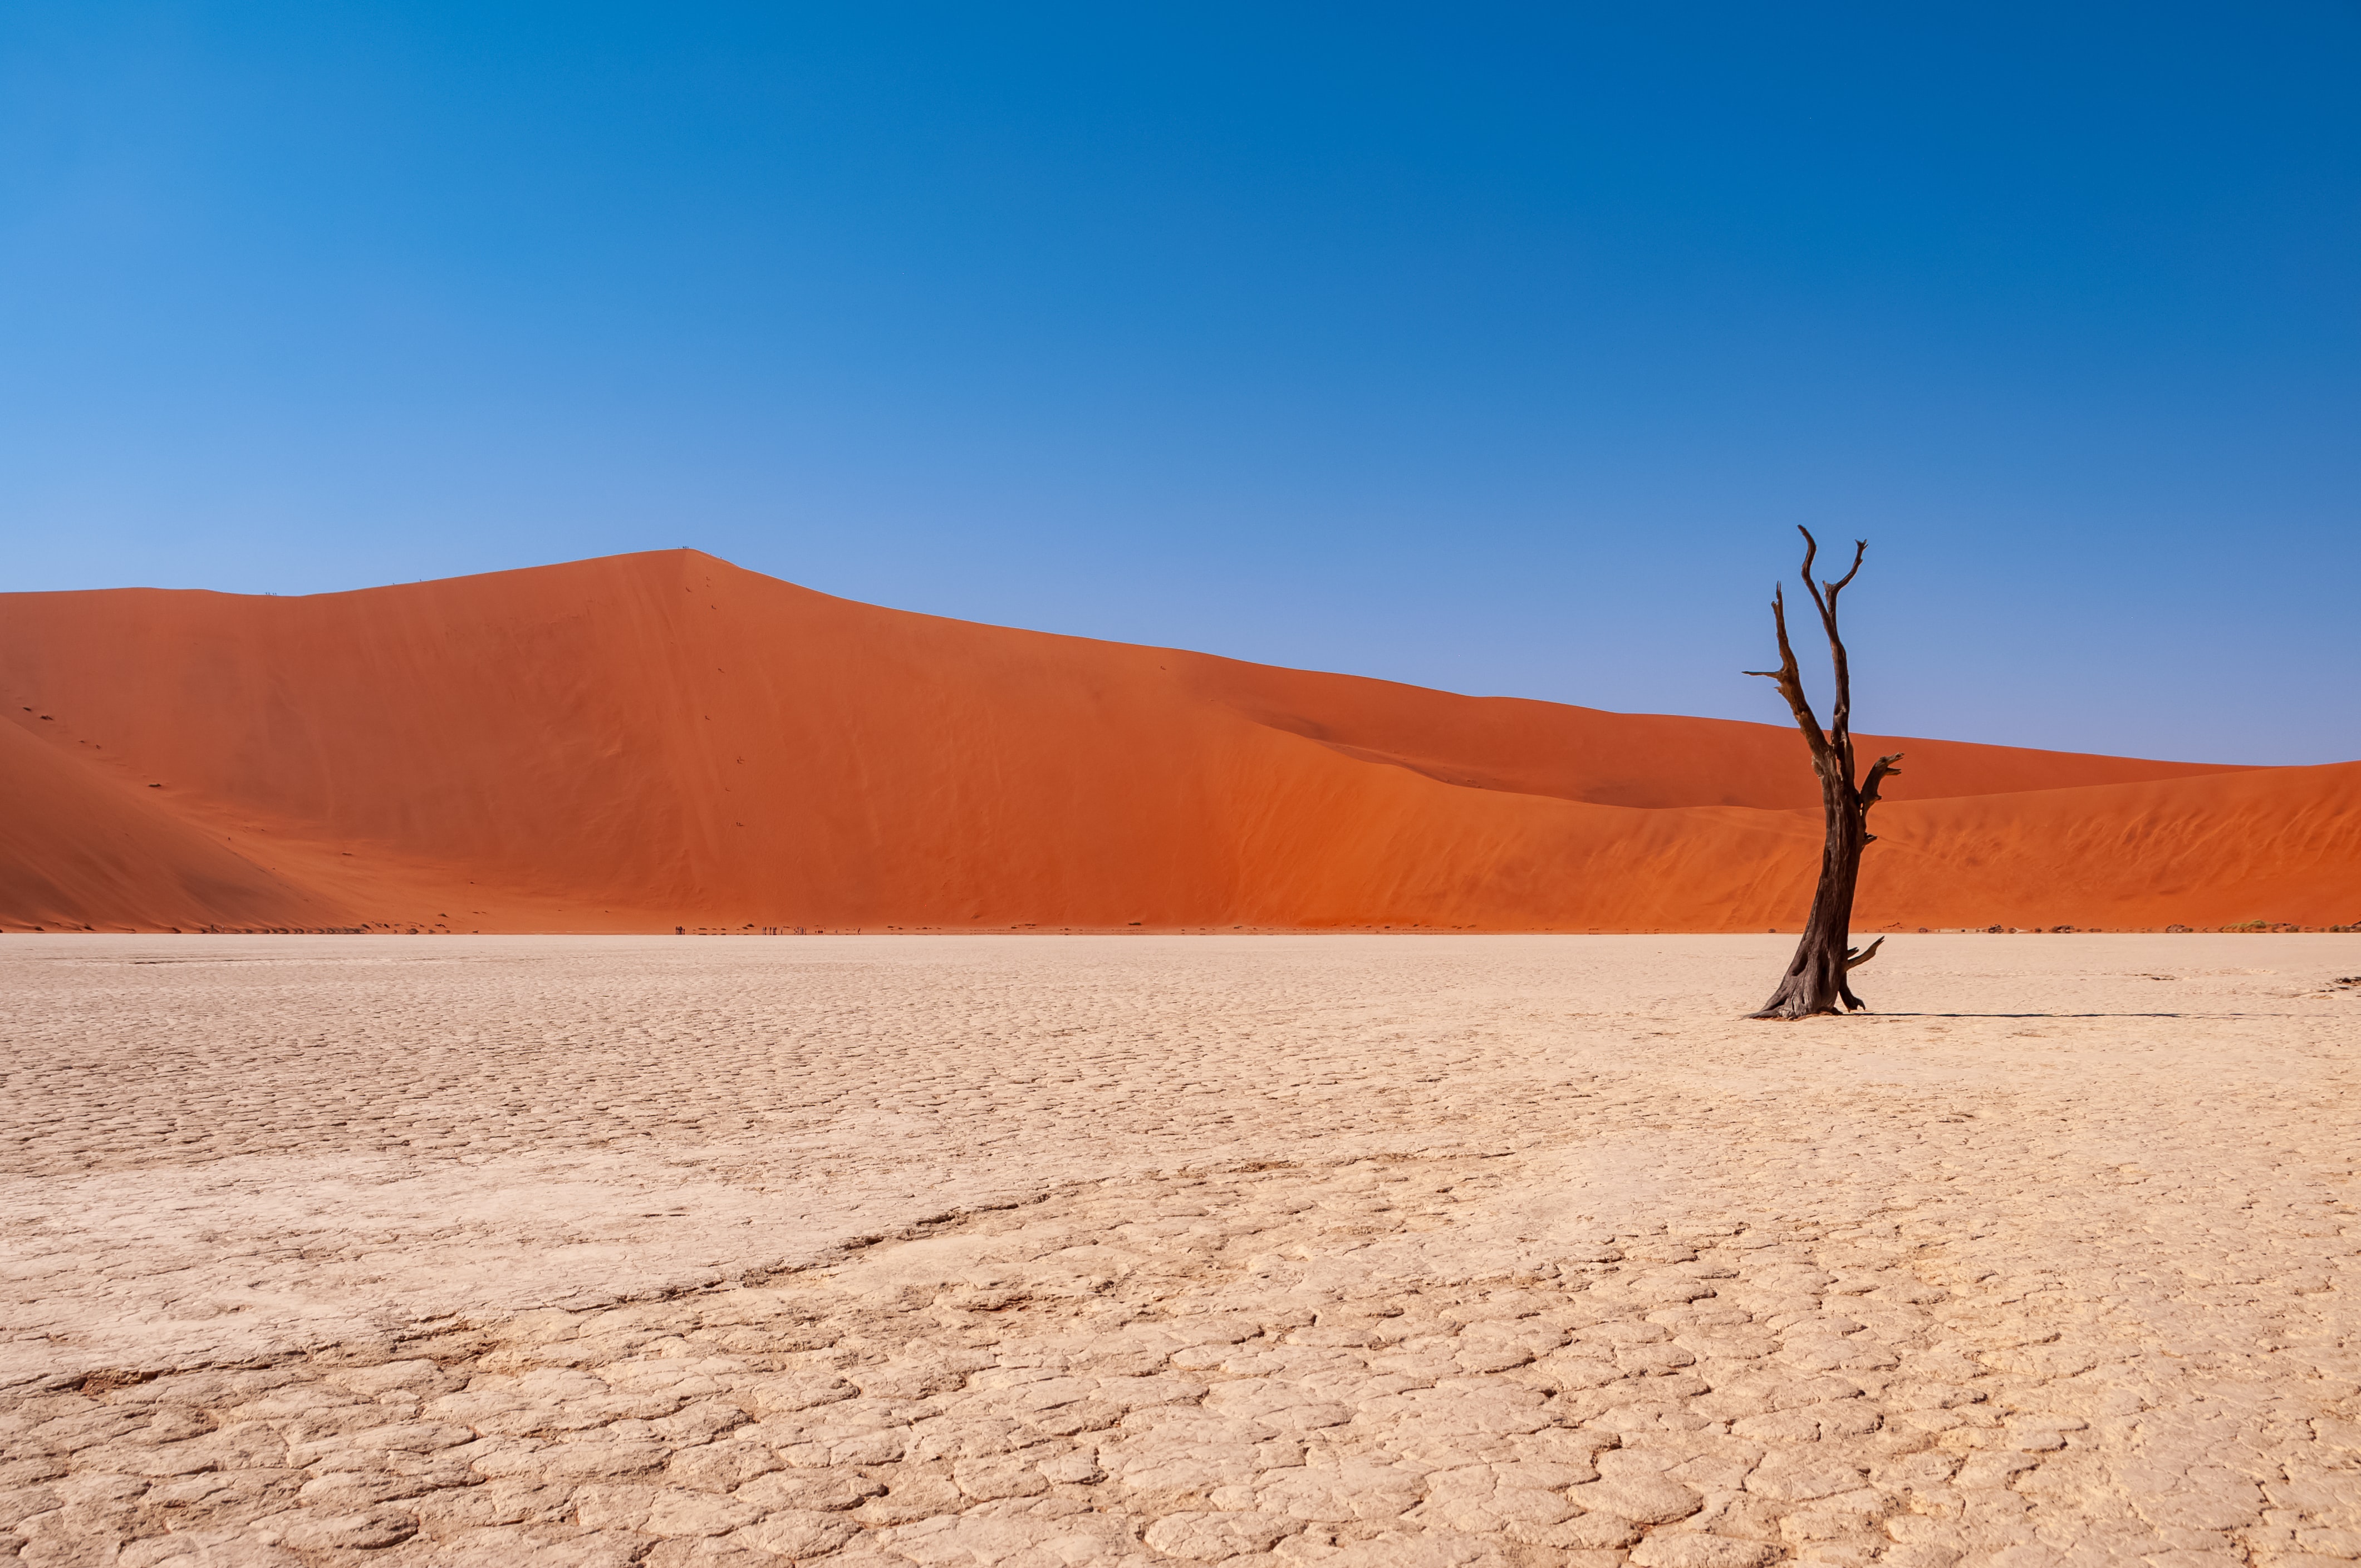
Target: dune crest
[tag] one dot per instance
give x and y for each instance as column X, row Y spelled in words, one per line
column 661, row 740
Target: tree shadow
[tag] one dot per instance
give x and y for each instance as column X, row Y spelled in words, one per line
column 2073, row 1014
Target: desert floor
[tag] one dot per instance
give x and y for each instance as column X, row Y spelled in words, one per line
column 1270, row 1251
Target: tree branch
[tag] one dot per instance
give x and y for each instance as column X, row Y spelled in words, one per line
column 1840, row 711
column 1791, row 681
column 1882, row 770
column 1859, row 548
column 1879, row 772
column 1856, row 957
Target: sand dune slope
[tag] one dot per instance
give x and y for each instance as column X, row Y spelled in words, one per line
column 2270, row 844
column 659, row 739
column 77, row 844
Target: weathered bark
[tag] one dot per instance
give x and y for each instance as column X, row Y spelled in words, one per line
column 1814, row 982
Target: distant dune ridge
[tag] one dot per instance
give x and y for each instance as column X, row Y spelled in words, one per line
column 662, row 740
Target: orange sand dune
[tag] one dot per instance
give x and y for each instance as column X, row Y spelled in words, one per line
column 77, row 844
column 664, row 740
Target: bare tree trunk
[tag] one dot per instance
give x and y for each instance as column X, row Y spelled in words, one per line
column 1814, row 982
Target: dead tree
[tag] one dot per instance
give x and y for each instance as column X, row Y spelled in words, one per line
column 1814, row 982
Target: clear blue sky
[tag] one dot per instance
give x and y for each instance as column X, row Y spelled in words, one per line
column 1491, row 347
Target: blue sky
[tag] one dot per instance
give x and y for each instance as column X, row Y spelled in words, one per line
column 1497, row 348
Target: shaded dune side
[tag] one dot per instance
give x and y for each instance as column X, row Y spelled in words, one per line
column 663, row 738
column 1620, row 759
column 78, row 846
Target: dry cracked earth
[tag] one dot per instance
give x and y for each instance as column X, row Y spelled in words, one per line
column 1274, row 1253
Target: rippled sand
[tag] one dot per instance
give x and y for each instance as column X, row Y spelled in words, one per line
column 1034, row 1251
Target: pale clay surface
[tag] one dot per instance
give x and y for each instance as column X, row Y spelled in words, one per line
column 1269, row 1252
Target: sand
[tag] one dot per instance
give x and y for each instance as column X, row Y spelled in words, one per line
column 663, row 739
column 1270, row 1251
